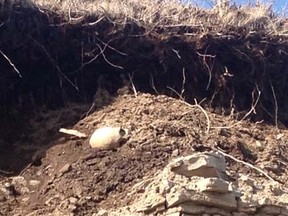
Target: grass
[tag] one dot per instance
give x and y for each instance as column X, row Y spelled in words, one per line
column 155, row 13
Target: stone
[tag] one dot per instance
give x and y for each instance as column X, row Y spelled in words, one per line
column 19, row 180
column 180, row 195
column 65, row 169
column 258, row 144
column 72, row 207
column 175, row 153
column 173, row 211
column 247, row 205
column 173, row 214
column 270, row 210
column 279, row 136
column 194, row 209
column 197, row 185
column 20, row 185
column 213, row 185
column 151, row 203
column 25, row 199
column 73, row 200
column 203, row 165
column 34, row 182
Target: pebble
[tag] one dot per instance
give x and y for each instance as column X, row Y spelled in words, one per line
column 72, row 207
column 34, row 182
column 19, row 180
column 175, row 153
column 26, row 199
column 73, row 200
column 65, row 169
column 279, row 136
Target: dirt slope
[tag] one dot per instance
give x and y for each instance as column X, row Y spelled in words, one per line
column 72, row 176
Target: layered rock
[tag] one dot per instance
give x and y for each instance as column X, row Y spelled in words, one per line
column 198, row 185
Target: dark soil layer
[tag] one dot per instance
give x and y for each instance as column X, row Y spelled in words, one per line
column 61, row 61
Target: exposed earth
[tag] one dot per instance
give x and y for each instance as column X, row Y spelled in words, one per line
column 229, row 62
column 56, row 170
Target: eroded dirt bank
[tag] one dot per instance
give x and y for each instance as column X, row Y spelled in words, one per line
column 83, row 65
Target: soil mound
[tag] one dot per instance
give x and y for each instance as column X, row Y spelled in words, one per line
column 72, row 176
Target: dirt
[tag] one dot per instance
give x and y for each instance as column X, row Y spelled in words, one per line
column 65, row 173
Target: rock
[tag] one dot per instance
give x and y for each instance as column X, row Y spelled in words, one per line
column 175, row 153
column 65, row 169
column 78, row 189
column 174, row 214
column 19, row 183
column 270, row 210
column 258, row 144
column 213, row 185
column 106, row 138
column 198, row 185
column 195, row 209
column 25, row 199
column 180, row 195
column 248, row 206
column 34, row 182
column 19, row 180
column 102, row 212
column 6, row 191
column 279, row 136
column 152, row 202
column 72, row 207
column 73, row 200
column 203, row 165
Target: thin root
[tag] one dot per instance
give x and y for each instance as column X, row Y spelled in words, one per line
column 247, row 164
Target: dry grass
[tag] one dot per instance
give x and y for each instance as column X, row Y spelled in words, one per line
column 167, row 13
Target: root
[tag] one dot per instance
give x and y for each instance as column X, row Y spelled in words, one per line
column 54, row 63
column 247, row 164
column 133, row 86
column 276, row 105
column 152, row 84
column 12, row 65
column 207, row 66
column 252, row 110
column 193, row 106
column 2, row 173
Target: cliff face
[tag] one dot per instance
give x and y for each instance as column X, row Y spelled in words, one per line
column 55, row 53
